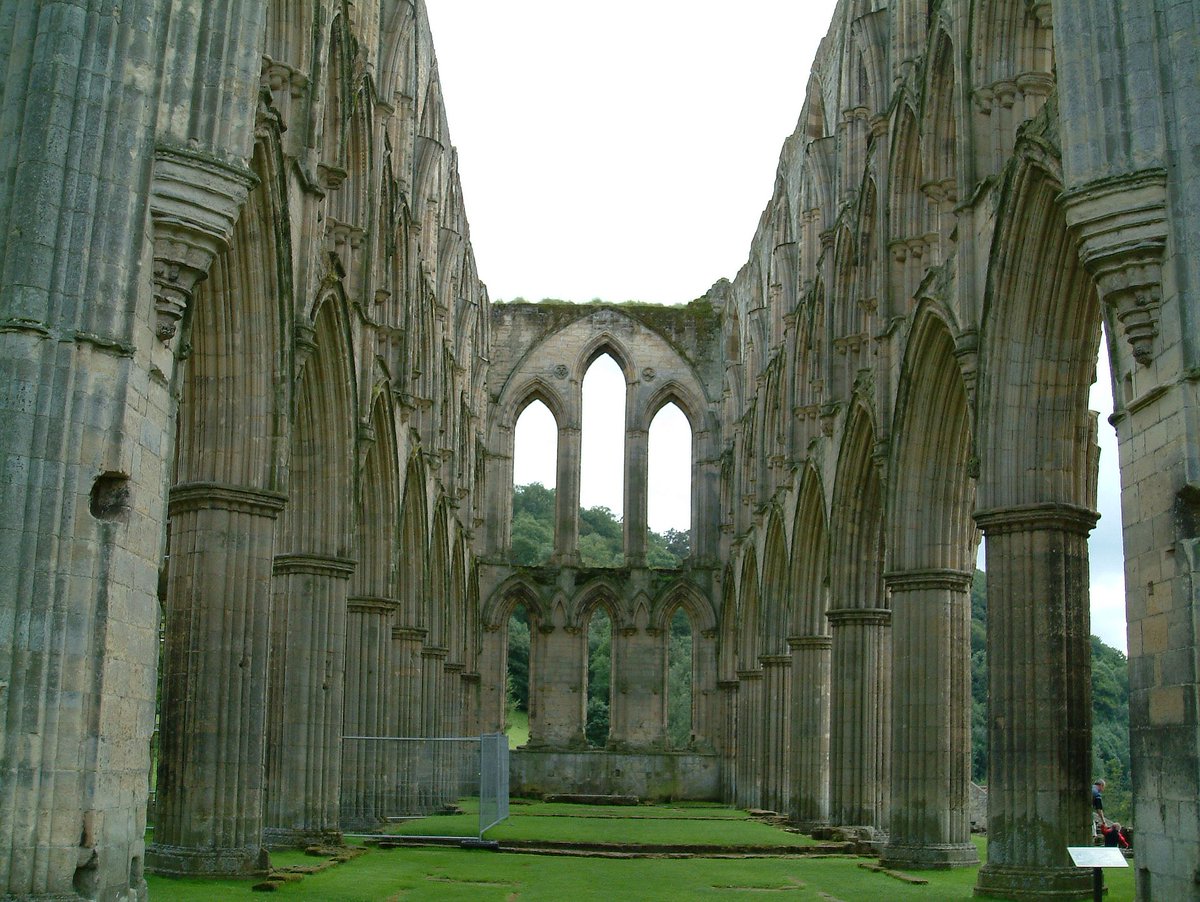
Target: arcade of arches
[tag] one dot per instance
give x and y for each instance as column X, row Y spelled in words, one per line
column 252, row 384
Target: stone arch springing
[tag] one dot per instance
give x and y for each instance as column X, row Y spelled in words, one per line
column 931, row 558
column 1040, row 333
column 810, row 644
column 860, row 659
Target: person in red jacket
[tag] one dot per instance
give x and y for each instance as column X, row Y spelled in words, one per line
column 1113, row 837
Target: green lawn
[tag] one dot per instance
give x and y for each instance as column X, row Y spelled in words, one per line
column 451, row 873
column 518, row 727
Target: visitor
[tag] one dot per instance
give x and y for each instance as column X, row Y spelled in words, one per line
column 1098, row 820
column 1113, row 837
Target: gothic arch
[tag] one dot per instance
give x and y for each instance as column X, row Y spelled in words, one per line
column 1041, row 325
column 776, row 590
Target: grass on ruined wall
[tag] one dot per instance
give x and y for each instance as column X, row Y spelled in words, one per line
column 454, row 874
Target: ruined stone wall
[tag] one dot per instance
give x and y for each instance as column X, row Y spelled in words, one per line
column 242, row 338
column 251, row 380
column 970, row 191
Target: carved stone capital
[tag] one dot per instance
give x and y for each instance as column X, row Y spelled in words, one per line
column 194, row 203
column 1122, row 227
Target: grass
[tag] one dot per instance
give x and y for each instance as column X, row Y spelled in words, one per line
column 453, row 874
column 518, row 727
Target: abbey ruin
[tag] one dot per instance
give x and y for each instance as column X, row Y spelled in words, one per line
column 253, row 389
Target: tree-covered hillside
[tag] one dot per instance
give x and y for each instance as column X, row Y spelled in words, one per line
column 601, row 538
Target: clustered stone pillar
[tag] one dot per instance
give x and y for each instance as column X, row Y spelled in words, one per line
column 637, row 455
column 210, row 783
column 558, row 686
column 749, row 738
column 566, row 516
column 639, row 709
column 308, row 659
column 859, row 737
column 930, row 823
column 727, row 738
column 810, row 730
column 1039, row 685
column 370, row 700
column 776, row 729
column 407, row 642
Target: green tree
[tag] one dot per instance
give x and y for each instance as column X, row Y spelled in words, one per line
column 599, row 677
column 518, row 660
column 532, row 524
column 679, row 682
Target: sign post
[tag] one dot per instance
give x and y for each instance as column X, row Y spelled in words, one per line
column 1097, row 858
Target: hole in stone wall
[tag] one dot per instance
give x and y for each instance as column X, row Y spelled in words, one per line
column 111, row 497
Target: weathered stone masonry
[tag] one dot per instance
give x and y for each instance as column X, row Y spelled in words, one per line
column 252, row 382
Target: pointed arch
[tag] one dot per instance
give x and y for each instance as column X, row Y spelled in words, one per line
column 776, row 590
column 414, row 543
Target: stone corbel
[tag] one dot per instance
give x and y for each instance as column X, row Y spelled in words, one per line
column 1042, row 12
column 194, row 202
column 1121, row 223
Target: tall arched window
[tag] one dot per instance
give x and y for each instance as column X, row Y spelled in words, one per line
column 535, row 453
column 602, row 465
column 669, row 489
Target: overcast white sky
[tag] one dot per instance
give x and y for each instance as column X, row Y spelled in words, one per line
column 624, row 151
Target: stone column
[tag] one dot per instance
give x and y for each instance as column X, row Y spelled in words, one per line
column 308, row 660
column 706, row 697
column 210, row 785
column 930, row 823
column 566, row 496
column 370, row 700
column 1039, row 683
column 558, row 686
column 637, row 457
column 860, row 677
column 639, row 709
column 810, row 730
column 433, row 709
column 776, row 729
column 749, row 739
column 407, row 642
column 493, row 698
column 727, row 744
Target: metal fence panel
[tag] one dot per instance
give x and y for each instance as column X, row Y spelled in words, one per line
column 387, row 780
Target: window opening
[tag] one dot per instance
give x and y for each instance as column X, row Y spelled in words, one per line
column 602, row 465
column 599, row 678
column 679, row 681
column 669, row 488
column 535, row 467
column 516, row 707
